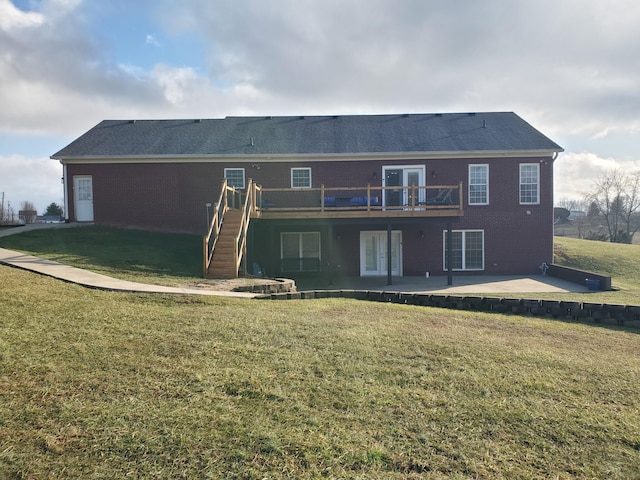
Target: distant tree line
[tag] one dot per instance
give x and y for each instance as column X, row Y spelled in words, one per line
column 27, row 212
column 611, row 207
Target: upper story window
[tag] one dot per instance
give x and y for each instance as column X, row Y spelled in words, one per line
column 529, row 183
column 235, row 177
column 478, row 184
column 301, row 177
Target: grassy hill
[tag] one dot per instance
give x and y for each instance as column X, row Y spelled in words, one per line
column 108, row 385
column 621, row 261
column 135, row 255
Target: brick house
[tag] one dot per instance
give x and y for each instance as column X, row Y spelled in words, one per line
column 353, row 195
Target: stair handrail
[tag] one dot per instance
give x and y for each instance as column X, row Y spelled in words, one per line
column 240, row 245
column 215, row 224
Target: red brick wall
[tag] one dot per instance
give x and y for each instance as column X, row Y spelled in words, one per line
column 172, row 197
column 162, row 196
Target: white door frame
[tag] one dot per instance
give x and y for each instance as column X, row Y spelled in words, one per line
column 83, row 197
column 406, row 169
column 378, row 239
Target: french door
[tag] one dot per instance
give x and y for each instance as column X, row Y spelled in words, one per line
column 373, row 253
column 403, row 177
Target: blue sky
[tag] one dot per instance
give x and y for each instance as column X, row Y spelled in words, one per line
column 568, row 67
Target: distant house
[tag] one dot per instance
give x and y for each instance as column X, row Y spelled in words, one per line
column 327, row 195
column 49, row 219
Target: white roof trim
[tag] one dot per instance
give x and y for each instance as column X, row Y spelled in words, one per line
column 304, row 157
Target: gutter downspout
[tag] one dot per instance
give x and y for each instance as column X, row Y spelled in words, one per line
column 65, row 192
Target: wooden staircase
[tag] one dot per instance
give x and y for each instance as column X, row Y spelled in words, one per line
column 223, row 263
column 225, row 245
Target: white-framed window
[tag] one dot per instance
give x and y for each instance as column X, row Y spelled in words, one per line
column 529, row 183
column 478, row 184
column 467, row 247
column 300, row 251
column 235, row 177
column 301, row 177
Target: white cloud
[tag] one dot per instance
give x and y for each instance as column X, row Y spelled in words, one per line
column 176, row 81
column 37, row 180
column 575, row 173
column 555, row 63
column 13, row 18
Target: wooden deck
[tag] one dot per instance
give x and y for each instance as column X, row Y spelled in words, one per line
column 359, row 202
column 224, row 249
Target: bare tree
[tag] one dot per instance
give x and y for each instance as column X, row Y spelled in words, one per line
column 616, row 196
column 27, row 212
column 572, row 204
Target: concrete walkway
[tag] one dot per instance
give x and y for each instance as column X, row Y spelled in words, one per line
column 102, row 282
column 87, row 278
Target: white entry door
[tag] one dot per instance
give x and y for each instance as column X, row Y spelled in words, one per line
column 373, row 253
column 83, row 195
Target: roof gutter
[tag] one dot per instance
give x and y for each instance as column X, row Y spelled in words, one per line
column 267, row 157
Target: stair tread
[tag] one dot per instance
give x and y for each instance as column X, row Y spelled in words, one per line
column 223, row 263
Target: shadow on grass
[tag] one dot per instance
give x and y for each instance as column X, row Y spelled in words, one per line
column 114, row 249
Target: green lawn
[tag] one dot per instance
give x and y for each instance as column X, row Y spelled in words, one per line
column 135, row 255
column 102, row 385
column 176, row 260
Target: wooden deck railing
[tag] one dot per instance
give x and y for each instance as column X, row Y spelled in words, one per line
column 248, row 211
column 230, row 197
column 215, row 225
column 432, row 200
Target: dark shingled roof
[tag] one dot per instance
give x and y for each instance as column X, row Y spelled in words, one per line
column 310, row 135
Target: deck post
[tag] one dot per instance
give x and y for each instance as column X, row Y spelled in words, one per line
column 205, row 260
column 389, row 263
column 449, row 254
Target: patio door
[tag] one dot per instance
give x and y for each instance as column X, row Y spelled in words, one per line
column 403, row 176
column 83, row 196
column 373, row 253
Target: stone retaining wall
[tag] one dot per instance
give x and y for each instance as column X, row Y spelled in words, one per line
column 611, row 314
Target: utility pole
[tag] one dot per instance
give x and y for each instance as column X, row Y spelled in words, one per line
column 2, row 210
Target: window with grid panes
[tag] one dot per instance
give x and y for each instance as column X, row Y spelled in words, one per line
column 235, row 177
column 478, row 184
column 529, row 183
column 467, row 250
column 301, row 177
